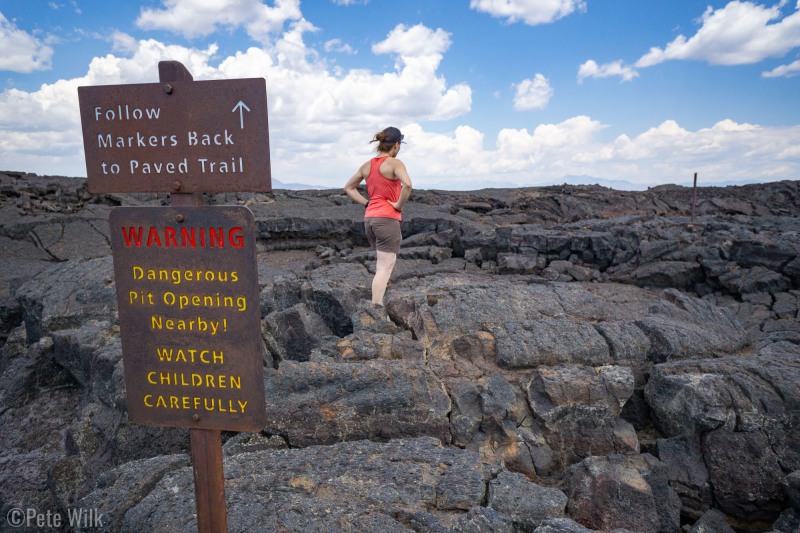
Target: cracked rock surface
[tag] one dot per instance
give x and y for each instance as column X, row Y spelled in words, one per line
column 559, row 359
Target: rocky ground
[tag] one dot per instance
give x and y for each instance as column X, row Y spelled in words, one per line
column 560, row 359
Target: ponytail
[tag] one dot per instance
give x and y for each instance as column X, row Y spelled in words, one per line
column 383, row 144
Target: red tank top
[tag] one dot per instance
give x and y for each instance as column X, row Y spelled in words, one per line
column 381, row 189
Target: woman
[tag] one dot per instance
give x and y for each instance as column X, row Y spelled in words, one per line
column 388, row 187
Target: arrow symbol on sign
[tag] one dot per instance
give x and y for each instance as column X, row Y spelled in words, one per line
column 241, row 107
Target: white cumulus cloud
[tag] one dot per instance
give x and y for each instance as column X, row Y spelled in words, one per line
column 22, row 52
column 533, row 94
column 337, row 45
column 531, row 12
column 195, row 18
column 738, row 34
column 414, row 41
column 590, row 69
column 784, row 71
column 415, row 88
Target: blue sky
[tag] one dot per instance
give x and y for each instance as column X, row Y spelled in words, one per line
column 487, row 92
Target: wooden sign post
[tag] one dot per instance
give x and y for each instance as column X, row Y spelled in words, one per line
column 186, row 275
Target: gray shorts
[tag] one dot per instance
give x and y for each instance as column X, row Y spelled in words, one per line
column 383, row 234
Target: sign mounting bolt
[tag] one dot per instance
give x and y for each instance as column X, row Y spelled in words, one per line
column 179, row 218
column 168, row 88
column 196, row 417
column 176, row 185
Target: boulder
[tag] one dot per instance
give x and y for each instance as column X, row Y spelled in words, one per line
column 745, row 473
column 322, row 403
column 527, row 503
column 712, row 521
column 580, row 408
column 756, row 279
column 763, row 251
column 744, row 408
column 686, row 471
column 68, row 294
column 680, row 327
column 668, row 274
column 734, row 393
column 621, row 491
column 293, row 333
column 507, row 432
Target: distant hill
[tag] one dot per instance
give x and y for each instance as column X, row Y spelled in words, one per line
column 620, row 185
column 623, row 185
column 278, row 184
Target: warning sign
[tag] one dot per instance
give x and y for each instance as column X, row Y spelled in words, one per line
column 187, row 292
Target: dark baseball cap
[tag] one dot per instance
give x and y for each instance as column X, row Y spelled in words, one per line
column 393, row 135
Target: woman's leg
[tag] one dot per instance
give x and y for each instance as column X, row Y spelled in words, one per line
column 383, row 270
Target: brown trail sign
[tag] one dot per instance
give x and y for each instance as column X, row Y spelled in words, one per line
column 186, row 275
column 180, row 136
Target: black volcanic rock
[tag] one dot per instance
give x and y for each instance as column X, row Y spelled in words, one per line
column 549, row 359
column 322, row 403
column 359, row 484
column 602, row 489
